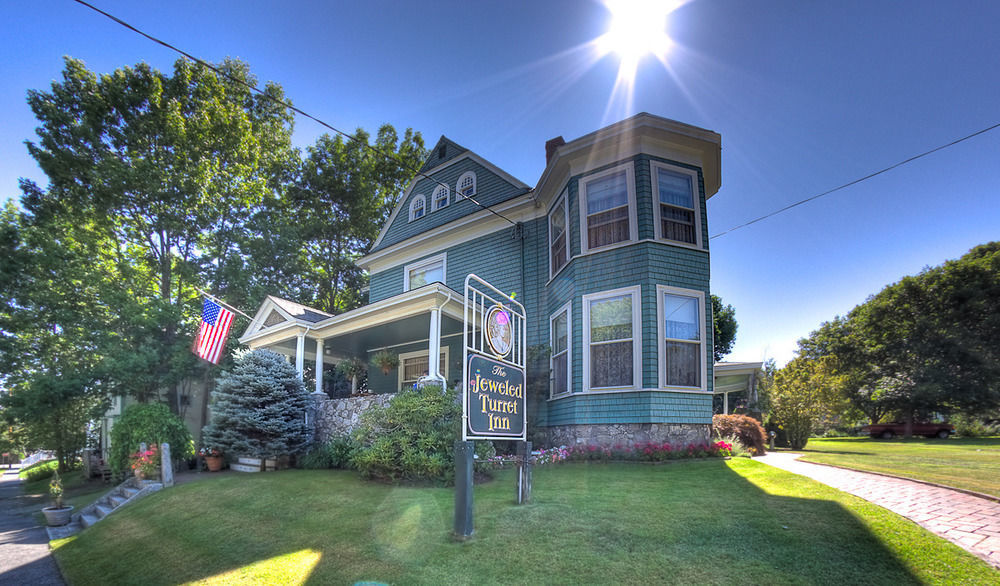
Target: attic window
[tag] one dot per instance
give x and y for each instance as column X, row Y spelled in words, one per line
column 467, row 184
column 441, row 151
column 442, row 195
column 418, row 207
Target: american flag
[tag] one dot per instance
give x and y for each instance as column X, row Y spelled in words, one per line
column 211, row 339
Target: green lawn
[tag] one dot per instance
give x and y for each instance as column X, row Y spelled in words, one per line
column 969, row 463
column 705, row 522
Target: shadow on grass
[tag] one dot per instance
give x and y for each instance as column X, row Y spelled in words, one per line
column 691, row 522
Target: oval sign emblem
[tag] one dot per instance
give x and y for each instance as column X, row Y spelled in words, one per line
column 498, row 331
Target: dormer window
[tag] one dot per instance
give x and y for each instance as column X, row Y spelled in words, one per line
column 418, row 207
column 442, row 195
column 467, row 184
column 675, row 202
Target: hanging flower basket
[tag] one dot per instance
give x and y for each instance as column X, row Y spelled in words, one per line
column 386, row 361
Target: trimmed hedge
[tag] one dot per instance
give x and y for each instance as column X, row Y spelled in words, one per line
column 746, row 429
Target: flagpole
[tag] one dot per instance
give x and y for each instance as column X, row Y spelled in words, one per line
column 223, row 303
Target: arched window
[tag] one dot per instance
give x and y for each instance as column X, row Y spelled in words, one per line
column 418, row 207
column 467, row 184
column 442, row 195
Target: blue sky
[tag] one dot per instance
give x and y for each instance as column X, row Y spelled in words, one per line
column 806, row 95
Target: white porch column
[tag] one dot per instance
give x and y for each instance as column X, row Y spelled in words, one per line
column 300, row 354
column 434, row 350
column 319, row 367
column 725, row 403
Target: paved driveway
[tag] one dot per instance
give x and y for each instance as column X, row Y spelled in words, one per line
column 24, row 543
column 969, row 521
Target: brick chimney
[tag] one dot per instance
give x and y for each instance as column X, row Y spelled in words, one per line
column 550, row 147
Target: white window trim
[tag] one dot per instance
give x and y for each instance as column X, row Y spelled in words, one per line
column 458, row 184
column 447, row 197
column 661, row 336
column 413, row 205
column 568, row 311
column 419, row 354
column 633, row 223
column 696, row 198
column 636, row 293
column 420, row 264
column 564, row 199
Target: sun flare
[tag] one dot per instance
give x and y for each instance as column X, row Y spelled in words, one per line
column 637, row 29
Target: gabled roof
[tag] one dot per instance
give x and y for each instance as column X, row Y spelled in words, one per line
column 454, row 154
column 277, row 313
column 444, row 151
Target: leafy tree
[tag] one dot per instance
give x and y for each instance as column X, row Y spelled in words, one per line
column 259, row 408
column 343, row 195
column 802, row 394
column 157, row 173
column 725, row 326
column 928, row 344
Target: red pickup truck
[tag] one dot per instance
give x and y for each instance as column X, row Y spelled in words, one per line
column 891, row 430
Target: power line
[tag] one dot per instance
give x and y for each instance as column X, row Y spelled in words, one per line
column 287, row 105
column 856, row 181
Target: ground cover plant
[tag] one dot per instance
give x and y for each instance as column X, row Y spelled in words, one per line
column 969, row 463
column 693, row 522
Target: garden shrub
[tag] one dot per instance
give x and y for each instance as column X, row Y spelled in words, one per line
column 258, row 409
column 966, row 426
column 412, row 438
column 152, row 424
column 746, row 429
column 336, row 453
column 39, row 471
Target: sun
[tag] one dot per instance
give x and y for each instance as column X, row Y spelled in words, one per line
column 638, row 28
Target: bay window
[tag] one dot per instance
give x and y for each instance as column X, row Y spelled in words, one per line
column 682, row 337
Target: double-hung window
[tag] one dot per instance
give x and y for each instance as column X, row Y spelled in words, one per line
column 558, row 238
column 682, row 337
column 559, row 362
column 675, row 195
column 608, row 208
column 423, row 272
column 413, row 365
column 611, row 339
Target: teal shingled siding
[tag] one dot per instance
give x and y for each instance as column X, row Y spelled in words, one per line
column 641, row 407
column 491, row 189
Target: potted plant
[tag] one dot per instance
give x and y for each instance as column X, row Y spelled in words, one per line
column 352, row 368
column 57, row 514
column 213, row 458
column 385, row 360
column 144, row 463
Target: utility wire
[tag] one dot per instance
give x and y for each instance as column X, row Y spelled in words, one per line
column 288, row 105
column 856, row 181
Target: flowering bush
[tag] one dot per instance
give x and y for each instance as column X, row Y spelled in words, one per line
column 145, row 462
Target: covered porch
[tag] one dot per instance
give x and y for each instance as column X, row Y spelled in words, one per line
column 413, row 326
column 735, row 385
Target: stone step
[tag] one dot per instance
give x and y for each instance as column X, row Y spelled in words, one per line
column 88, row 520
column 129, row 492
column 103, row 511
column 117, row 500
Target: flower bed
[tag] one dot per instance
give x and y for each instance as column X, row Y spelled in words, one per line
column 649, row 452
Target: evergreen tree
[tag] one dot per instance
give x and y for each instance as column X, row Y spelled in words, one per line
column 258, row 408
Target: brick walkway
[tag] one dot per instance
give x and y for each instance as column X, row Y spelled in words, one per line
column 971, row 522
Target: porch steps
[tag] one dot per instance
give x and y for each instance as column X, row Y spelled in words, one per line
column 123, row 494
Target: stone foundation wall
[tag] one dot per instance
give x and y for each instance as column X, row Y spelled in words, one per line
column 625, row 434
column 336, row 417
